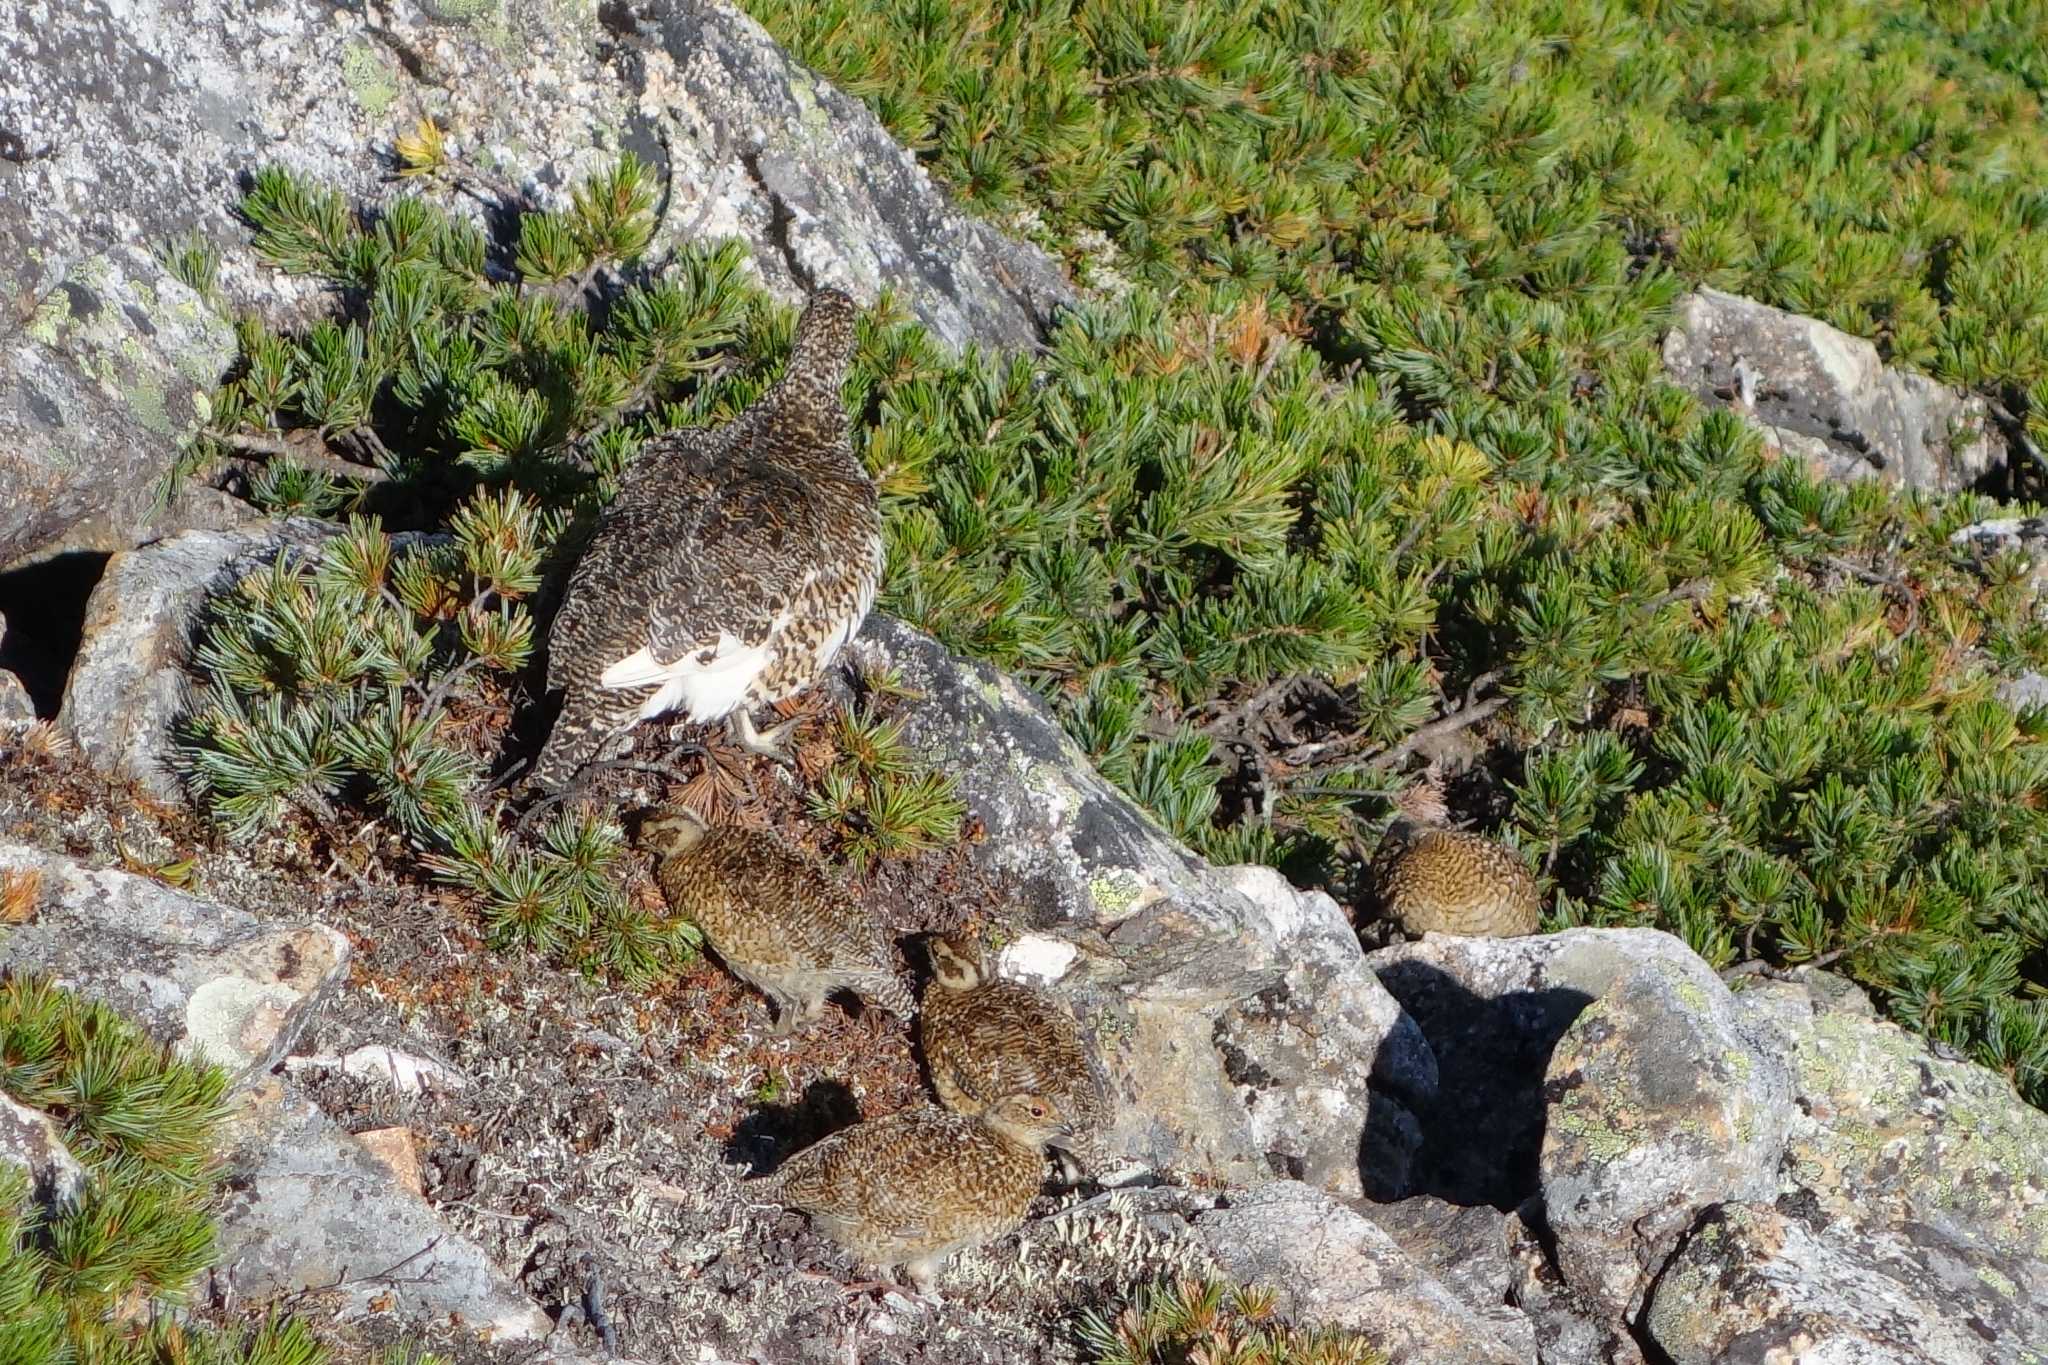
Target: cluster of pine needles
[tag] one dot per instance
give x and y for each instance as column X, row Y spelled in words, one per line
column 98, row 1273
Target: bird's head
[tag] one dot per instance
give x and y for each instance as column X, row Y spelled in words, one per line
column 956, row 962
column 1031, row 1119
column 672, row 832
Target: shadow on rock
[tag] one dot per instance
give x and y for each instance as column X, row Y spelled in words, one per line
column 774, row 1131
column 1482, row 1134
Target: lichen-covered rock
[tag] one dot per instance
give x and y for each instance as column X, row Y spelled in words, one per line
column 1657, row 1099
column 141, row 117
column 129, row 684
column 1664, row 1099
column 113, row 370
column 1913, row 1219
column 1824, row 396
column 311, row 1210
column 1886, row 1130
column 1242, row 1034
column 1754, row 1283
column 1295, row 1051
column 1467, row 1250
column 1329, row 1265
column 220, row 984
column 32, row 1143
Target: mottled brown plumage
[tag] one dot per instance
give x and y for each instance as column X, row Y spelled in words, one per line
column 1439, row 881
column 782, row 921
column 913, row 1188
column 729, row 570
column 984, row 1038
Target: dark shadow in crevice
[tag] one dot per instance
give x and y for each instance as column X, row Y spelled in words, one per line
column 773, row 1131
column 1482, row 1133
column 44, row 605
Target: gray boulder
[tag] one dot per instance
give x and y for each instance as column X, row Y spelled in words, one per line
column 1469, row 1251
column 16, row 706
column 1824, row 396
column 129, row 684
column 1912, row 1221
column 219, row 984
column 1752, row 1283
column 1657, row 1097
column 1241, row 1031
column 309, row 1210
column 140, row 118
column 1331, row 1266
column 32, row 1143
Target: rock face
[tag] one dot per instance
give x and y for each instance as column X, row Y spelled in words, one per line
column 1241, row 1031
column 129, row 684
column 1772, row 1173
column 1825, row 396
column 311, row 1209
column 1912, row 1222
column 1329, row 1264
column 112, row 370
column 1755, row 1284
column 33, row 1145
column 140, row 117
column 219, row 984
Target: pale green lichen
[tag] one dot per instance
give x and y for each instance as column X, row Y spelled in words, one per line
column 51, row 316
column 1683, row 985
column 1588, row 1121
column 1998, row 1282
column 1739, row 1064
column 369, row 77
column 1114, row 892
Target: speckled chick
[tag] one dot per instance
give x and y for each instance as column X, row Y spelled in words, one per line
column 784, row 922
column 913, row 1188
column 984, row 1038
column 728, row 572
column 1441, row 881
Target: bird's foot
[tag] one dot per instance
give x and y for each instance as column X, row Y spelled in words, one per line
column 766, row 745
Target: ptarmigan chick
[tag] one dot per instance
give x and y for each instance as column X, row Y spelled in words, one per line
column 1434, row 880
column 787, row 924
column 728, row 572
column 984, row 1038
column 913, row 1188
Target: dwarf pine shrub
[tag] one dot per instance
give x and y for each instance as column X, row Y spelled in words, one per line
column 1742, row 705
column 1218, row 1324
column 143, row 1125
column 1370, row 444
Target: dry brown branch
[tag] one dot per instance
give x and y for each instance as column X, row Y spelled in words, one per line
column 306, row 448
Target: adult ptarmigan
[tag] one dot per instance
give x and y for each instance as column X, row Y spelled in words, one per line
column 730, row 569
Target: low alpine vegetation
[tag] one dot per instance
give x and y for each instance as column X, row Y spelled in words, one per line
column 1216, row 1324
column 1369, row 455
column 75, row 1265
